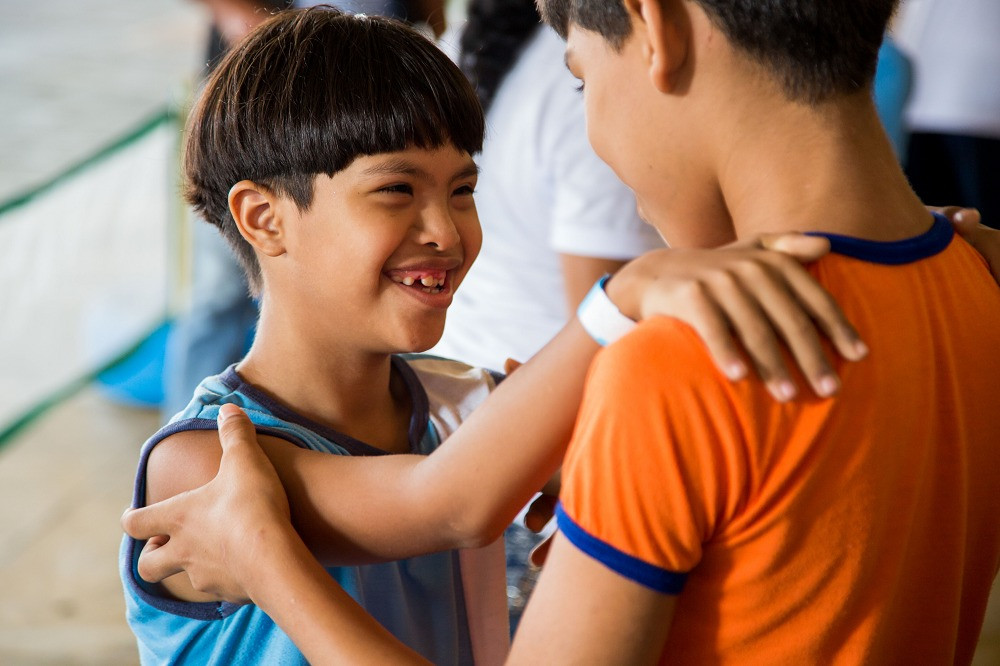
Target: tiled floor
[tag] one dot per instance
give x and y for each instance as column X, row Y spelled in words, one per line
column 64, row 481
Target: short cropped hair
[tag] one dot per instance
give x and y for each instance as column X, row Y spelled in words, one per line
column 816, row 49
column 307, row 92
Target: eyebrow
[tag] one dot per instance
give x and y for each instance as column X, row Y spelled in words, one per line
column 395, row 166
column 472, row 169
column 567, row 56
column 402, row 166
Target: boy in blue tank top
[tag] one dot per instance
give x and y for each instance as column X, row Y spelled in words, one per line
column 334, row 153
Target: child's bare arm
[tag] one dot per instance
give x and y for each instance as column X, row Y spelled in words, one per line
column 243, row 547
column 360, row 509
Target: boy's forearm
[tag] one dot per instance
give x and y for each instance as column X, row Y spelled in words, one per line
column 467, row 491
column 355, row 510
column 323, row 621
column 512, row 444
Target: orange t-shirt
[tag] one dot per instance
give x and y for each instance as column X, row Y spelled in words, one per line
column 860, row 529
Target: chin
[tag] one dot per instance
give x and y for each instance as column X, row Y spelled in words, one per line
column 421, row 338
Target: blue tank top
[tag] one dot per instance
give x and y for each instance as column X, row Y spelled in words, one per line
column 427, row 602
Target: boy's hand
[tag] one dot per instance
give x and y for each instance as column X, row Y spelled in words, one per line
column 755, row 292
column 216, row 532
column 510, row 365
column 983, row 238
column 539, row 513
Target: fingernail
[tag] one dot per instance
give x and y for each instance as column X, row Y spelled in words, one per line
column 736, row 370
column 959, row 216
column 861, row 349
column 225, row 412
column 828, row 385
column 783, row 390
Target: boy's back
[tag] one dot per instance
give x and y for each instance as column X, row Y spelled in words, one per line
column 861, row 529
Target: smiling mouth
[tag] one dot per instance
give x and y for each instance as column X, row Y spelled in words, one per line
column 429, row 282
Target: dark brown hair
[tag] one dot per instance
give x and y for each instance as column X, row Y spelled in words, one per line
column 815, row 48
column 306, row 93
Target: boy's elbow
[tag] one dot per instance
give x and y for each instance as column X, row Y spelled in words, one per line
column 462, row 518
column 475, row 529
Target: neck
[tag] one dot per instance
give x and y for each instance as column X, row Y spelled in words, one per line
column 354, row 392
column 770, row 166
column 828, row 168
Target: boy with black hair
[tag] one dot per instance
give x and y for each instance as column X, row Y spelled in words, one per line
column 862, row 529
column 701, row 521
column 335, row 155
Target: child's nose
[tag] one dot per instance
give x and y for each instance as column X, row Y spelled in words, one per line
column 437, row 229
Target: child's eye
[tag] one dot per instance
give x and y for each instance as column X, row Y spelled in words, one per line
column 465, row 190
column 400, row 188
column 580, row 87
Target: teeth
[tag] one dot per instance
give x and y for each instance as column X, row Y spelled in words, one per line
column 427, row 281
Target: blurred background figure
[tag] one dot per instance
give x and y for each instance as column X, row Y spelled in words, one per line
column 953, row 116
column 893, row 85
column 555, row 217
column 215, row 326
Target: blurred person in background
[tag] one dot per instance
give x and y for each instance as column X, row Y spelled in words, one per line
column 954, row 113
column 892, row 87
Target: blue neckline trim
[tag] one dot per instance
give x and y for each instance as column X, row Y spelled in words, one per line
column 654, row 577
column 419, row 418
column 894, row 253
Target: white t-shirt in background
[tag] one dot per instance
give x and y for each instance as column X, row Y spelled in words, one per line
column 954, row 46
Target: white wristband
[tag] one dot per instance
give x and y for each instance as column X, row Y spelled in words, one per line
column 600, row 317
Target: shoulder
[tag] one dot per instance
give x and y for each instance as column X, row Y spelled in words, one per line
column 208, row 396
column 181, row 462
column 660, row 354
column 186, row 460
column 453, row 389
column 656, row 385
column 449, row 375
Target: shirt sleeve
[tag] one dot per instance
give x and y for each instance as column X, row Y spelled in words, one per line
column 647, row 478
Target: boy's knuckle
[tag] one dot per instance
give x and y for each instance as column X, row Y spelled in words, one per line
column 801, row 326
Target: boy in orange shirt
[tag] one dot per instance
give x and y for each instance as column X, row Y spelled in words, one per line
column 702, row 522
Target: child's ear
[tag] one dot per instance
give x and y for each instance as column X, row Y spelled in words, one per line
column 665, row 24
column 255, row 210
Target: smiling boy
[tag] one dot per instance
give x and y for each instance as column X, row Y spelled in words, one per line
column 354, row 221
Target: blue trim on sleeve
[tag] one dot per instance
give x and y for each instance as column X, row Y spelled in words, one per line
column 644, row 573
column 894, row 253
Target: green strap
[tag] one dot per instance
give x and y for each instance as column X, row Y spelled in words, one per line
column 161, row 117
column 68, row 391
